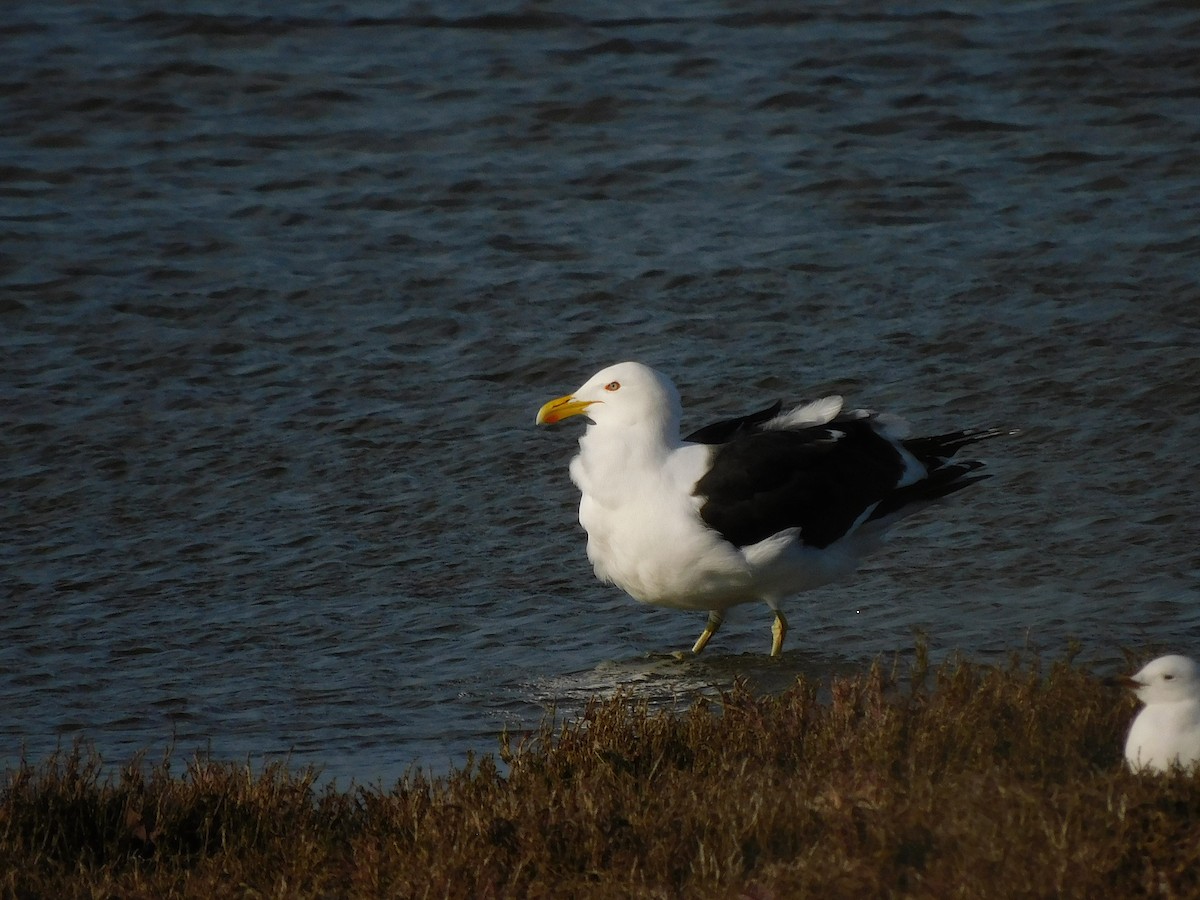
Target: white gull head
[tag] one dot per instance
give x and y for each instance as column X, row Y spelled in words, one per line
column 627, row 394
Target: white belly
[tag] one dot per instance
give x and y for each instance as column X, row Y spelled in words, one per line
column 665, row 560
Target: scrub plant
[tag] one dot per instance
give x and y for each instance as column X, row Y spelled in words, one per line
column 959, row 780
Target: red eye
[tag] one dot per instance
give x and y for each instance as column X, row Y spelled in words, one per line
column 612, row 386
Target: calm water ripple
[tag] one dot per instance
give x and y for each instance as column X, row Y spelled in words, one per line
column 281, row 292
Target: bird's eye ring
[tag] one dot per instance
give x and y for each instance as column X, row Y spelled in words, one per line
column 1168, row 677
column 613, row 386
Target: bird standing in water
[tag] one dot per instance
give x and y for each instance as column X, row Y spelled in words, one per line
column 755, row 508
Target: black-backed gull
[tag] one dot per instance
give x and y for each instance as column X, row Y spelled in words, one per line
column 758, row 507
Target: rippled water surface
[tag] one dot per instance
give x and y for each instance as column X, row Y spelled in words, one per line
column 281, row 288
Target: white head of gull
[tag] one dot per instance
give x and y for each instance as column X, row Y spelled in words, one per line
column 1166, row 731
column 754, row 508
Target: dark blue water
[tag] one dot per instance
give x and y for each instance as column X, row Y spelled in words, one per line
column 281, row 290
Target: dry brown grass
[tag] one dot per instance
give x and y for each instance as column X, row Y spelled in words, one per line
column 964, row 781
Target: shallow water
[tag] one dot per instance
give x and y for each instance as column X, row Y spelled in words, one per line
column 281, row 293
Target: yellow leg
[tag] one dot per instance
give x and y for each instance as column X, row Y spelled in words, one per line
column 715, row 618
column 778, row 633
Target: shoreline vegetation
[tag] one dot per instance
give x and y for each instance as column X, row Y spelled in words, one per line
column 955, row 780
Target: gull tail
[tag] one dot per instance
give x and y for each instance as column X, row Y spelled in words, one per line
column 934, row 451
column 944, row 477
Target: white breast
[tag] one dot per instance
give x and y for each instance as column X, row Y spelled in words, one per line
column 1164, row 734
column 644, row 531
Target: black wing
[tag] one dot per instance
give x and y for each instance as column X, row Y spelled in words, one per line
column 819, row 479
column 944, row 477
column 722, row 432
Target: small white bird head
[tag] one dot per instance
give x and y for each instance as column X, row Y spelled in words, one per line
column 627, row 394
column 1168, row 679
